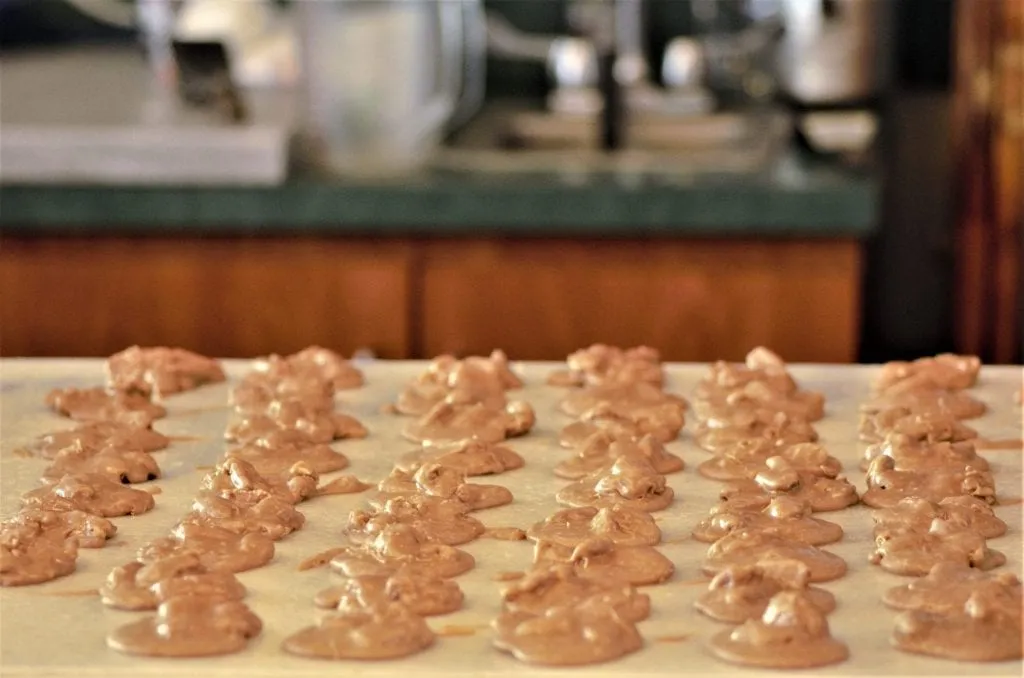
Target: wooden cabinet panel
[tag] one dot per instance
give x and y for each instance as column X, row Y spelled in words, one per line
column 988, row 103
column 692, row 299
column 536, row 298
column 220, row 296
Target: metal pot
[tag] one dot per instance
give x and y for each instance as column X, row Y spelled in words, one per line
column 835, row 52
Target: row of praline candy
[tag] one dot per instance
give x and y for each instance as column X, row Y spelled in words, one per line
column 933, row 496
column 581, row 603
column 401, row 556
column 764, row 556
column 87, row 482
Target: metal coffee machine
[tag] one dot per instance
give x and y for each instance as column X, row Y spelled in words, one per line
column 834, row 64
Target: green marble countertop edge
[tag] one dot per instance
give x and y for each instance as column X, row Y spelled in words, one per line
column 796, row 196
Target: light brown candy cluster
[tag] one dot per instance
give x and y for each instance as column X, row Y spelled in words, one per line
column 159, row 372
column 758, row 426
column 473, row 379
column 454, row 401
column 600, row 364
column 291, row 399
column 933, row 495
column 959, row 612
column 92, row 467
column 402, row 552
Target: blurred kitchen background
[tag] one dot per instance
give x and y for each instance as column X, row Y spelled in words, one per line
column 840, row 180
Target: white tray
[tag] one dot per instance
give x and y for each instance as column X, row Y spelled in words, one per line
column 58, row 629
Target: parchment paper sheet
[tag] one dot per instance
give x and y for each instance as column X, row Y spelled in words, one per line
column 58, row 629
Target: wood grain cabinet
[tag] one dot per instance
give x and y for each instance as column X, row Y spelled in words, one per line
column 988, row 106
column 221, row 296
column 692, row 299
column 412, row 298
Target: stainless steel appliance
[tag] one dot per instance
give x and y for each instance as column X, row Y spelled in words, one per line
column 385, row 79
column 603, row 96
column 834, row 52
column 834, row 63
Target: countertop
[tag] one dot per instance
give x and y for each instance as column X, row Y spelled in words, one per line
column 460, row 193
column 796, row 196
